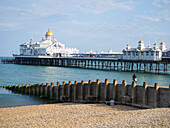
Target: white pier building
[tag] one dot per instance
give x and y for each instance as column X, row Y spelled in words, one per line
column 48, row 46
column 144, row 53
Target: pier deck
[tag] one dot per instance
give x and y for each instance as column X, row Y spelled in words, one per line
column 162, row 67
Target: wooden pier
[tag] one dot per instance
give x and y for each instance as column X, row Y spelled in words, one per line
column 162, row 67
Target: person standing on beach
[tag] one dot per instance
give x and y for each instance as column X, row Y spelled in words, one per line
column 134, row 77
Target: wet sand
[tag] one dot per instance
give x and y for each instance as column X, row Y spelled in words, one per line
column 83, row 115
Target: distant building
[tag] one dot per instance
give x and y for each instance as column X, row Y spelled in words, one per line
column 48, row 46
column 144, row 53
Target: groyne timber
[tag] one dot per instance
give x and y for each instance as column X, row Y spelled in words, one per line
column 162, row 67
column 142, row 96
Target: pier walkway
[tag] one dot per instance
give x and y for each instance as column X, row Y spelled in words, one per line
column 162, row 67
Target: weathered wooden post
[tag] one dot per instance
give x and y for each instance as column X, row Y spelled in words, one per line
column 63, row 95
column 23, row 89
column 114, row 89
column 57, row 91
column 133, row 92
column 42, row 90
column 123, row 95
column 34, row 89
column 144, row 94
column 19, row 88
column 38, row 89
column 97, row 89
column 30, row 89
column 26, row 89
column 81, row 90
column 46, row 90
column 156, row 87
column 13, row 87
column 16, row 88
column 89, row 90
column 75, row 91
column 69, row 89
column 105, row 89
column 51, row 90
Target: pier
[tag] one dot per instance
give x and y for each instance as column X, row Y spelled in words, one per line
column 160, row 67
column 142, row 96
column 8, row 61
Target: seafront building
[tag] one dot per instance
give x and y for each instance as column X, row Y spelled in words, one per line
column 145, row 53
column 48, row 46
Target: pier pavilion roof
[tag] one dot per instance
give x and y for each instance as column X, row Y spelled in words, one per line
column 142, row 50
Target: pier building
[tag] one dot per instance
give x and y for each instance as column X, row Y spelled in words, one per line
column 145, row 53
column 48, row 46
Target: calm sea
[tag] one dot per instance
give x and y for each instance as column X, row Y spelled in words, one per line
column 13, row 74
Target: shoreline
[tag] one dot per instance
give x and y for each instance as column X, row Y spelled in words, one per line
column 83, row 115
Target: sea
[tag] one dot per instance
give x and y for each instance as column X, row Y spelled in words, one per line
column 14, row 74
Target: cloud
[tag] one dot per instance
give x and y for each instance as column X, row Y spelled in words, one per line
column 102, row 6
column 162, row 9
column 154, row 19
column 160, row 3
column 7, row 26
column 158, row 33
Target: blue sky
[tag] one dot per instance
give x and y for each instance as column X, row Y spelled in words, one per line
column 99, row 25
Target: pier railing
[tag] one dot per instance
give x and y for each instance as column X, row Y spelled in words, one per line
column 142, row 96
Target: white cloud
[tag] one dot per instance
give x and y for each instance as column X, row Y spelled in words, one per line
column 162, row 8
column 154, row 19
column 101, row 6
column 158, row 33
column 7, row 26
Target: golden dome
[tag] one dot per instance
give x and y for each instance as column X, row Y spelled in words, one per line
column 128, row 44
column 162, row 43
column 31, row 38
column 141, row 41
column 155, row 44
column 49, row 33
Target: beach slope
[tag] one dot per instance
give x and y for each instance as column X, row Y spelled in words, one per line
column 83, row 115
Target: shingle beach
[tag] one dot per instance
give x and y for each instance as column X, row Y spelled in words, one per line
column 83, row 115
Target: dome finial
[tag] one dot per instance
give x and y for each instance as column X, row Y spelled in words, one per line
column 49, row 33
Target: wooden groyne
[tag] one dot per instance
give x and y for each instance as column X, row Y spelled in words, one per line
column 142, row 96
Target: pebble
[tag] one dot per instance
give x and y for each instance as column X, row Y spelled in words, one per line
column 66, row 115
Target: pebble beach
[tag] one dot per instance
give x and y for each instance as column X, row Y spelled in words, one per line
column 64, row 115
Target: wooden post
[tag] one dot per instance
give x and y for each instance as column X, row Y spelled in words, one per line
column 38, row 89
column 34, row 89
column 30, row 89
column 69, row 86
column 63, row 95
column 123, row 99
column 42, row 89
column 46, row 90
column 97, row 89
column 75, row 90
column 88, row 90
column 114, row 89
column 156, row 86
column 81, row 93
column 133, row 92
column 57, row 91
column 51, row 90
column 105, row 89
column 144, row 94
